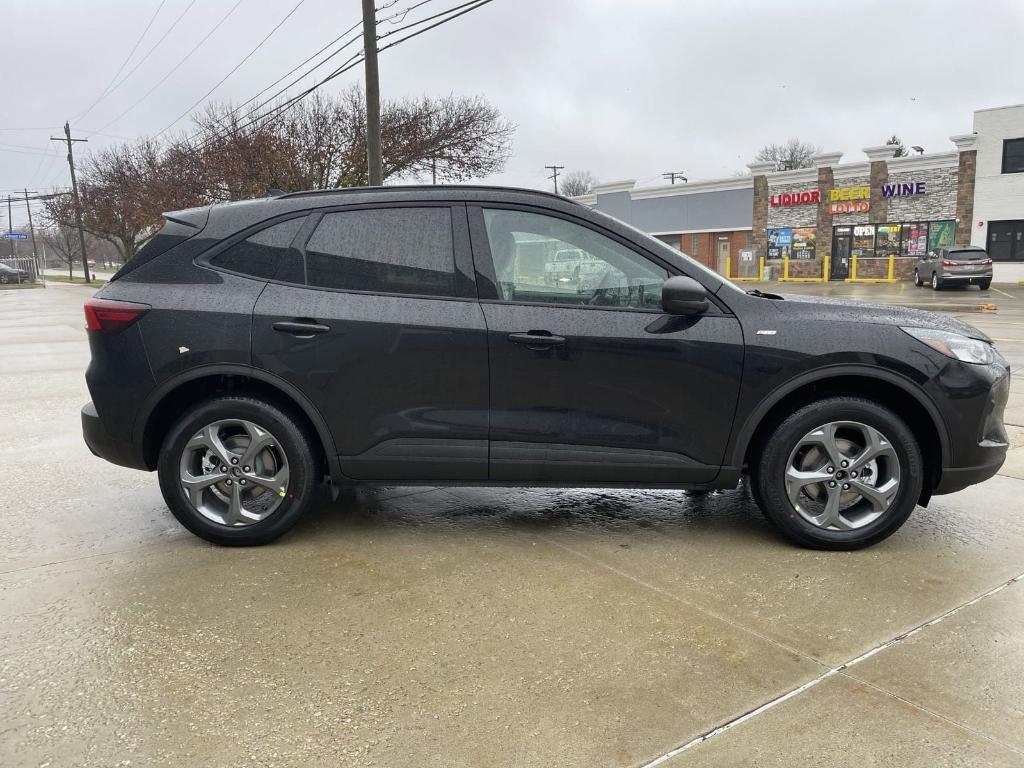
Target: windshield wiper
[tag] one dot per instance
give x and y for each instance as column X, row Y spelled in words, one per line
column 763, row 295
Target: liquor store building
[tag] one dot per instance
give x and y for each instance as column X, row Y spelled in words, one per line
column 865, row 219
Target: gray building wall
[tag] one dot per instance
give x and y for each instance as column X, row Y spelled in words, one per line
column 724, row 209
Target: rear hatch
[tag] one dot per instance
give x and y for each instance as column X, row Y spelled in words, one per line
column 967, row 261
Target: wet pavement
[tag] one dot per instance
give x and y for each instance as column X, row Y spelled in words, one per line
column 482, row 627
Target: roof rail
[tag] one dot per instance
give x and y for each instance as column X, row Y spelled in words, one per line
column 400, row 187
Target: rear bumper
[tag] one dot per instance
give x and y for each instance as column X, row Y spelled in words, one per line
column 103, row 445
column 976, row 277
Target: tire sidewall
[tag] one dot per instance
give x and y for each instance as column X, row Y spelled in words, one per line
column 774, row 460
column 295, row 444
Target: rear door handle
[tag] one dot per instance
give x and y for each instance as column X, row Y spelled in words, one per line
column 537, row 339
column 301, row 329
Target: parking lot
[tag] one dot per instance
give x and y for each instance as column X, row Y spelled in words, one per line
column 491, row 627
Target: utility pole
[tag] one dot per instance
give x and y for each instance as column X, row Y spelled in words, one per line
column 32, row 230
column 10, row 225
column 673, row 175
column 554, row 174
column 74, row 191
column 374, row 164
column 433, row 170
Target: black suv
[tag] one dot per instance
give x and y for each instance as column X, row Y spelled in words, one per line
column 407, row 335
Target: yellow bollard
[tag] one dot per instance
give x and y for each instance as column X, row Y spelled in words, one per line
column 892, row 269
column 853, row 268
column 728, row 266
column 825, row 268
column 785, row 267
column 760, row 269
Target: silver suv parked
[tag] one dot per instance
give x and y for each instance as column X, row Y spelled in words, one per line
column 954, row 265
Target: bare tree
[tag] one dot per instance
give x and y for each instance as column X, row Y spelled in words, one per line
column 577, row 183
column 62, row 240
column 789, row 156
column 901, row 150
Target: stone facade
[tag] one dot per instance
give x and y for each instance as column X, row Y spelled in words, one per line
column 791, row 215
column 760, row 219
column 939, row 200
column 823, row 245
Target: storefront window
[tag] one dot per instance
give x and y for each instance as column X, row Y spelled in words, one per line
column 915, row 239
column 863, row 241
column 887, row 240
column 940, row 234
column 804, row 239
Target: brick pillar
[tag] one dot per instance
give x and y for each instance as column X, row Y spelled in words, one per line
column 965, row 196
column 879, row 211
column 823, row 242
column 760, row 218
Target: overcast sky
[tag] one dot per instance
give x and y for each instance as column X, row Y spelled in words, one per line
column 624, row 89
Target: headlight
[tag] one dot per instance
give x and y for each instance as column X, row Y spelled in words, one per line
column 955, row 345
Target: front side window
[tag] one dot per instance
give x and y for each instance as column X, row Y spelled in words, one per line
column 539, row 258
column 384, row 250
column 259, row 255
column 1013, row 156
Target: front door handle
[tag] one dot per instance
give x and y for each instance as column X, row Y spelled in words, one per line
column 537, row 340
column 301, row 329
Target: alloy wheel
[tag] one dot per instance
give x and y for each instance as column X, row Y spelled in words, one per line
column 234, row 472
column 842, row 476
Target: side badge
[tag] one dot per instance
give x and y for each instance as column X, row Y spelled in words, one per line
column 766, row 333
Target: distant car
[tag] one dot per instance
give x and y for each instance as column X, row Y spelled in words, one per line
column 954, row 265
column 566, row 266
column 12, row 275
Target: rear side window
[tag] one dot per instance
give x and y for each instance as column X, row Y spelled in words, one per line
column 386, row 250
column 259, row 255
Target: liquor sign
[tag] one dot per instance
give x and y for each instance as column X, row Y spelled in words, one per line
column 795, row 198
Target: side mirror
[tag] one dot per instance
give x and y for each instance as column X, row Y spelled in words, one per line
column 683, row 296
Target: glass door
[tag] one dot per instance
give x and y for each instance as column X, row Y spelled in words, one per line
column 841, row 244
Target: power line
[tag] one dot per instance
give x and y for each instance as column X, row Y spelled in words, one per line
column 149, row 53
column 124, row 63
column 344, row 68
column 233, row 69
column 425, row 19
column 174, row 69
column 432, row 26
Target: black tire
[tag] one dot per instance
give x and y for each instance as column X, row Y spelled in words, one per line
column 3, row 279
column 985, row 285
column 917, row 279
column 290, row 438
column 768, row 473
column 936, row 282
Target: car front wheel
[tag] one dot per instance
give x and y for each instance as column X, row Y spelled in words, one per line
column 936, row 283
column 238, row 471
column 917, row 279
column 841, row 473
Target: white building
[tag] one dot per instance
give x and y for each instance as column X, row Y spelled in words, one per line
column 998, row 224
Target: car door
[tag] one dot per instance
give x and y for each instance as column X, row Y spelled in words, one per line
column 386, row 337
column 590, row 381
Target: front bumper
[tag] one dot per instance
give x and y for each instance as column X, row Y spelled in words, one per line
column 103, row 445
column 990, row 443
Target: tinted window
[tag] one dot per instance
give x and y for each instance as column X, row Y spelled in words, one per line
column 1013, row 156
column 387, row 250
column 259, row 255
column 544, row 258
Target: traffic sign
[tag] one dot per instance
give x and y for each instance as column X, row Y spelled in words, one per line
column 15, row 236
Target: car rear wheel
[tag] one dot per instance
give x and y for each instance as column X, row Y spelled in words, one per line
column 936, row 283
column 237, row 471
column 840, row 474
column 985, row 285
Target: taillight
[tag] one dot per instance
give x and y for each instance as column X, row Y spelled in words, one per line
column 985, row 261
column 108, row 316
column 948, row 263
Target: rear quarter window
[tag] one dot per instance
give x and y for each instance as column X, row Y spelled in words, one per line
column 260, row 255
